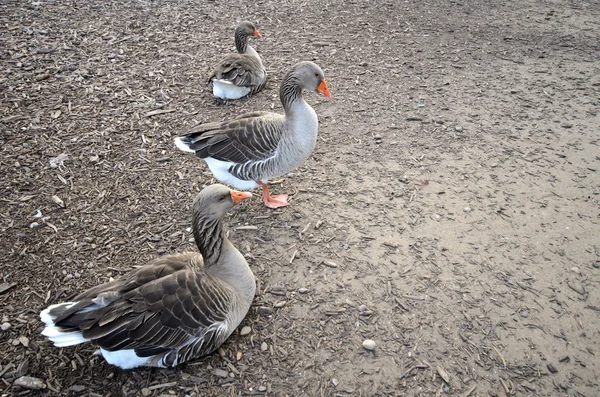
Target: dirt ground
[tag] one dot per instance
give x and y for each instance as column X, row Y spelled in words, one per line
column 450, row 211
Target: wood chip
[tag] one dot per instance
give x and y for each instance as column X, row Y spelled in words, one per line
column 6, row 286
column 443, row 374
column 158, row 111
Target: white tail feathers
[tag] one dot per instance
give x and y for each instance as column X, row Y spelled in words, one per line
column 60, row 338
column 181, row 145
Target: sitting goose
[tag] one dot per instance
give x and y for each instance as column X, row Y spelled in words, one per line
column 247, row 151
column 241, row 74
column 173, row 309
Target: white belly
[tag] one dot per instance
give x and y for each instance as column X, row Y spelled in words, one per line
column 220, row 171
column 226, row 90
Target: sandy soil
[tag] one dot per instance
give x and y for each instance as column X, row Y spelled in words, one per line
column 450, row 211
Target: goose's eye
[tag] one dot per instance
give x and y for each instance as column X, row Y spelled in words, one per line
column 317, row 75
column 223, row 197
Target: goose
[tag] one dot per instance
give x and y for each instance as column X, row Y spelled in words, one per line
column 173, row 309
column 241, row 74
column 251, row 149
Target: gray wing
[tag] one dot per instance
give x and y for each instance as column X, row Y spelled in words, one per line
column 253, row 137
column 158, row 317
column 240, row 69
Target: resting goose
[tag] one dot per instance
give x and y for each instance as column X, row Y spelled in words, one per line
column 241, row 74
column 173, row 309
column 251, row 149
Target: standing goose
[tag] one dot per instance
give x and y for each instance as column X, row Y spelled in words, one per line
column 251, row 149
column 241, row 74
column 173, row 309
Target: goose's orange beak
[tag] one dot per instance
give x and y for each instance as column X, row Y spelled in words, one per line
column 257, row 33
column 239, row 196
column 323, row 89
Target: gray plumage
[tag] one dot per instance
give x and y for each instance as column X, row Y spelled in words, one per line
column 241, row 74
column 173, row 309
column 257, row 146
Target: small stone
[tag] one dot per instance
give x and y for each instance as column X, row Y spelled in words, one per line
column 369, row 344
column 77, row 388
column 29, row 382
column 467, row 209
column 238, row 356
column 5, row 326
column 566, row 125
column 575, row 269
column 596, row 264
column 564, row 359
column 264, row 311
column 245, row 330
column 551, row 368
column 262, row 388
column 298, row 215
column 94, row 159
column 362, row 308
column 525, row 314
column 458, row 128
column 303, row 290
column 330, row 264
column 146, row 392
column 264, row 346
column 279, row 305
column 335, row 382
column 436, row 217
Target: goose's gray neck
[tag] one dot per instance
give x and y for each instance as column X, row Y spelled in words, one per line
column 290, row 91
column 241, row 42
column 209, row 236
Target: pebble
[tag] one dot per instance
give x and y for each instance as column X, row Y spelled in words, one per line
column 596, row 265
column 551, row 368
column 245, row 330
column 524, row 314
column 436, row 217
column 458, row 128
column 279, row 305
column 303, row 290
column 467, row 209
column 334, row 381
column 575, row 269
column 262, row 388
column 566, row 125
column 264, row 346
column 29, row 382
column 362, row 308
column 5, row 326
column 146, row 392
column 264, row 311
column 369, row 344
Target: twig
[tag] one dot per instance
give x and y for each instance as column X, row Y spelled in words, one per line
column 158, row 111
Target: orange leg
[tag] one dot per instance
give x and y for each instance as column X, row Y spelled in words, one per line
column 277, row 201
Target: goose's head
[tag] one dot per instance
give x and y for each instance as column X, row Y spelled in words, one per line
column 311, row 77
column 215, row 200
column 247, row 29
